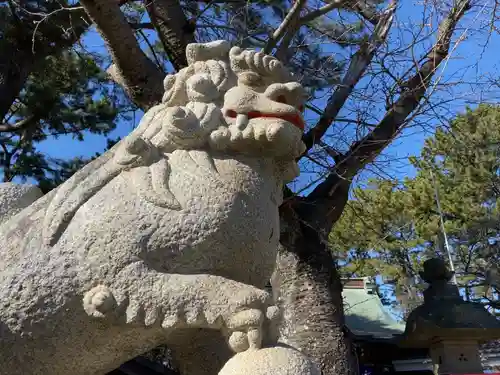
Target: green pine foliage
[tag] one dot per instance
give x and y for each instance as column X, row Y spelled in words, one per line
column 376, row 236
column 68, row 94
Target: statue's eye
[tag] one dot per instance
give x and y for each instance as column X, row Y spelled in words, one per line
column 281, row 99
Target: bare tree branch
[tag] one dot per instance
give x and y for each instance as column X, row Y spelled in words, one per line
column 373, row 143
column 290, row 22
column 336, row 4
column 20, row 125
column 368, row 13
column 174, row 30
column 141, row 78
column 296, row 22
column 361, row 7
column 358, row 64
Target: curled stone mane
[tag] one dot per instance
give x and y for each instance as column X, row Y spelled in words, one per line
column 190, row 117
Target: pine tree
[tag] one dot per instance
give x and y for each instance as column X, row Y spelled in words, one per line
column 377, row 236
column 68, row 94
column 464, row 159
column 52, row 89
column 389, row 227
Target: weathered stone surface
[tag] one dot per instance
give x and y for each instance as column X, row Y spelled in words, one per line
column 444, row 314
column 14, row 197
column 278, row 360
column 172, row 232
column 449, row 326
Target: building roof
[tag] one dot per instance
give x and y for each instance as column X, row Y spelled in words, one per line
column 365, row 314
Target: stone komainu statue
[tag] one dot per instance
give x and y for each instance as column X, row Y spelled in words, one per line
column 168, row 238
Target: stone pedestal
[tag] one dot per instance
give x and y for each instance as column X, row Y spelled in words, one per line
column 451, row 328
column 456, row 357
column 277, row 360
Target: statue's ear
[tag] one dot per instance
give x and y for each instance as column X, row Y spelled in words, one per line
column 216, row 50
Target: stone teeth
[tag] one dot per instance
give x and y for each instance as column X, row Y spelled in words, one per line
column 169, row 321
column 272, row 132
column 195, row 316
column 241, row 121
column 152, row 316
column 134, row 312
column 260, row 133
column 248, row 133
column 236, row 135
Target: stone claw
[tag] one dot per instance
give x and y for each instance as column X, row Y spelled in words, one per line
column 245, row 330
column 250, row 329
column 99, row 301
column 245, row 323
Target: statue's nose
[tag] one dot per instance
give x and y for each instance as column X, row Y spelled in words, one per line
column 290, row 93
column 278, row 98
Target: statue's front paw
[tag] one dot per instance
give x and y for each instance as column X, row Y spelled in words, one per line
column 245, row 318
column 248, row 329
column 245, row 330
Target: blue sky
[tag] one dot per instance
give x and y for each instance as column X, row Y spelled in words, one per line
column 468, row 62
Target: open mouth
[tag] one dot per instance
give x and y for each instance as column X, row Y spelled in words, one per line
column 295, row 119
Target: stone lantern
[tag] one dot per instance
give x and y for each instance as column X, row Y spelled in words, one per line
column 450, row 327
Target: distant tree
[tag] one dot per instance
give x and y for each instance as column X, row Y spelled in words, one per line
column 26, row 39
column 463, row 162
column 388, row 228
column 376, row 235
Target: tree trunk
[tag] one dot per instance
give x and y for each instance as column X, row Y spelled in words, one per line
column 23, row 45
column 139, row 76
column 308, row 288
column 174, row 30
